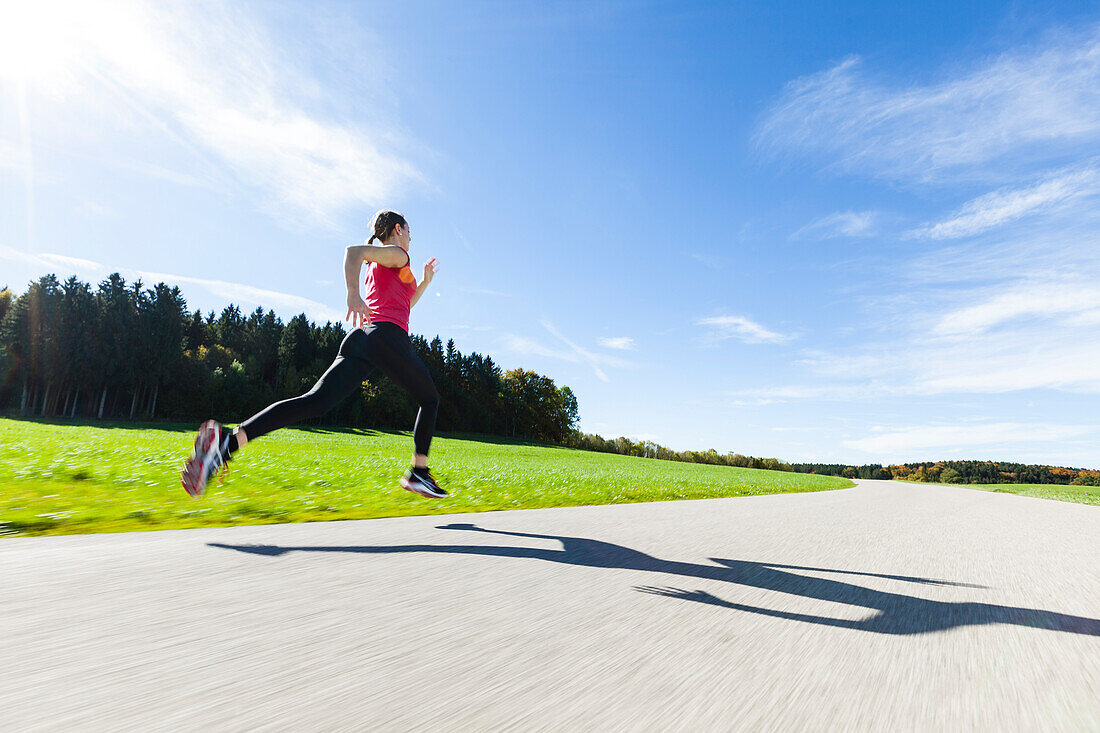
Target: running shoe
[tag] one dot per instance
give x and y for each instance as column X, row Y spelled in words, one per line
column 210, row 454
column 420, row 481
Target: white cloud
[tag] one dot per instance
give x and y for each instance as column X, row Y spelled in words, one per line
column 574, row 353
column 213, row 80
column 1020, row 311
column 1004, row 206
column 285, row 303
column 742, row 329
column 624, row 343
column 1009, row 337
column 1048, row 299
column 524, row 345
column 1002, row 295
column 1040, row 101
column 840, row 224
column 73, row 263
column 584, row 355
column 1016, row 309
column 906, row 441
column 990, row 363
column 1063, row 245
column 15, row 255
column 992, row 366
column 827, row 392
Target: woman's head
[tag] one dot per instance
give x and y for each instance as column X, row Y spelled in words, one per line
column 389, row 224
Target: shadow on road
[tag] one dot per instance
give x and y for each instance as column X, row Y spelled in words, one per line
column 896, row 613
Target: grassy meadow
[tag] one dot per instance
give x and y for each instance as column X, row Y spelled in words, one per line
column 1058, row 492
column 62, row 478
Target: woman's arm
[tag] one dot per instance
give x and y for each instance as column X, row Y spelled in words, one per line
column 429, row 273
column 357, row 309
column 387, row 255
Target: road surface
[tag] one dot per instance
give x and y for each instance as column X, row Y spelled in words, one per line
column 885, row 607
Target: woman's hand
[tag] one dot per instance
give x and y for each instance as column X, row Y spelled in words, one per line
column 429, row 271
column 357, row 311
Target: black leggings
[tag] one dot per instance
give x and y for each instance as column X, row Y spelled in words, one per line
column 384, row 346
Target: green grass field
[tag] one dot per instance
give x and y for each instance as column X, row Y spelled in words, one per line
column 1058, row 492
column 73, row 479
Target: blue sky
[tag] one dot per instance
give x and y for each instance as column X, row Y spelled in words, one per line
column 837, row 232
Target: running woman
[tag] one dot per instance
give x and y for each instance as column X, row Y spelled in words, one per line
column 379, row 340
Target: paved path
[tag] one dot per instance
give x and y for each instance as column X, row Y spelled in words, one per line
column 885, row 607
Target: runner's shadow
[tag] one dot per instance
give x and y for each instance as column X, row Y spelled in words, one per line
column 894, row 613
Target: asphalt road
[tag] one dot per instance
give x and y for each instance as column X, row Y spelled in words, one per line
column 885, row 607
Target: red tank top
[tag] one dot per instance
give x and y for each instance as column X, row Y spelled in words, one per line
column 389, row 293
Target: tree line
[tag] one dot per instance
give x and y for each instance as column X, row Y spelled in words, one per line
column 648, row 449
column 122, row 350
column 949, row 472
column 960, row 472
column 126, row 351
column 994, row 472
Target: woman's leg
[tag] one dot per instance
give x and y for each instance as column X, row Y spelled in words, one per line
column 391, row 350
column 345, row 374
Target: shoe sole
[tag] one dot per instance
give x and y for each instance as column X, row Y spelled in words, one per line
column 194, row 470
column 415, row 488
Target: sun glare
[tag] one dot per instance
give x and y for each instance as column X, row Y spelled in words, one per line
column 38, row 40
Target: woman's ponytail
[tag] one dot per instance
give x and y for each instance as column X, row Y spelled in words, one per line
column 383, row 225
